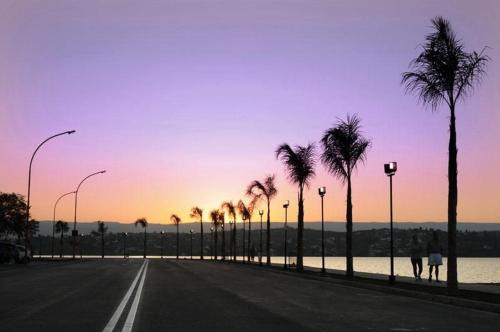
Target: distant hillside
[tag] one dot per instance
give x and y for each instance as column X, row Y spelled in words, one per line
column 116, row 227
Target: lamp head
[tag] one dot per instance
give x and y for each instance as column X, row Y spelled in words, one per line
column 391, row 168
column 162, row 232
column 261, row 212
column 70, row 132
column 102, row 172
column 322, row 191
column 191, row 231
column 211, row 229
column 286, row 204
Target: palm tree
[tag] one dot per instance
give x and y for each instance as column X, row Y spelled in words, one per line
column 144, row 223
column 196, row 212
column 61, row 227
column 101, row 231
column 176, row 220
column 299, row 164
column 214, row 217
column 445, row 72
column 230, row 208
column 264, row 190
column 246, row 214
column 343, row 147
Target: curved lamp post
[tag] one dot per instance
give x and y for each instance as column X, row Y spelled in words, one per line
column 286, row 204
column 54, row 220
column 261, row 213
column 322, row 192
column 75, row 232
column 26, row 235
column 390, row 169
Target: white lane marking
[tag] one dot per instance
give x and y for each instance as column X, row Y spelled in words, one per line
column 129, row 322
column 118, row 312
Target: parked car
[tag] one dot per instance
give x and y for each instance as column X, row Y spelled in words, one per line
column 14, row 253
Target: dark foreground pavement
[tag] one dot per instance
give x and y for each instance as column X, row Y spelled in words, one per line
column 206, row 296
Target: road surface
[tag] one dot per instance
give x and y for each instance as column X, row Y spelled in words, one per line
column 169, row 295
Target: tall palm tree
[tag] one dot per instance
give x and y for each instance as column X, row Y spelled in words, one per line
column 230, row 208
column 101, row 231
column 144, row 223
column 61, row 227
column 197, row 213
column 343, row 147
column 246, row 212
column 214, row 217
column 299, row 163
column 176, row 220
column 445, row 72
column 264, row 190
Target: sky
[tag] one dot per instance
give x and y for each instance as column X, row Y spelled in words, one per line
column 184, row 103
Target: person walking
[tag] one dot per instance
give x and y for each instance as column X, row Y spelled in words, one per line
column 434, row 250
column 416, row 252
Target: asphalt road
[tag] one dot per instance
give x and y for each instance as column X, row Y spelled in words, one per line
column 204, row 296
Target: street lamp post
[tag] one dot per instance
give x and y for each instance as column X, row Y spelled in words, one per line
column 243, row 218
column 390, row 169
column 81, row 245
column 286, row 204
column 191, row 240
column 322, row 192
column 75, row 232
column 54, row 221
column 212, row 243
column 125, row 244
column 261, row 213
column 162, row 233
column 27, row 227
column 230, row 240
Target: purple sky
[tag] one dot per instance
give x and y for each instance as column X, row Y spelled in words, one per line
column 184, row 103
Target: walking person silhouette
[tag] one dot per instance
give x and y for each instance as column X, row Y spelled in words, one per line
column 434, row 250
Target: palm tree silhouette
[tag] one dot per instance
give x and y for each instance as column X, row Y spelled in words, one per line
column 197, row 213
column 144, row 223
column 214, row 217
column 176, row 220
column 264, row 190
column 299, row 164
column 229, row 207
column 343, row 147
column 61, row 227
column 444, row 71
column 246, row 214
column 101, row 231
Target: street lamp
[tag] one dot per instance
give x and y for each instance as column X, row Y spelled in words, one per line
column 322, row 192
column 261, row 213
column 286, row 204
column 212, row 242
column 390, row 169
column 244, row 218
column 191, row 232
column 54, row 220
column 27, row 227
column 125, row 244
column 75, row 232
column 162, row 233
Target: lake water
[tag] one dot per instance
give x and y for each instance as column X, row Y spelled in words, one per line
column 470, row 270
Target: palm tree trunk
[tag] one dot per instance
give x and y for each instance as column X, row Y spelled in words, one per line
column 215, row 244
column 249, row 237
column 201, row 238
column 268, row 240
column 452, row 204
column 300, row 232
column 177, row 241
column 61, row 245
column 348, row 234
column 145, row 241
column 234, row 240
column 102, row 245
column 223, row 248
